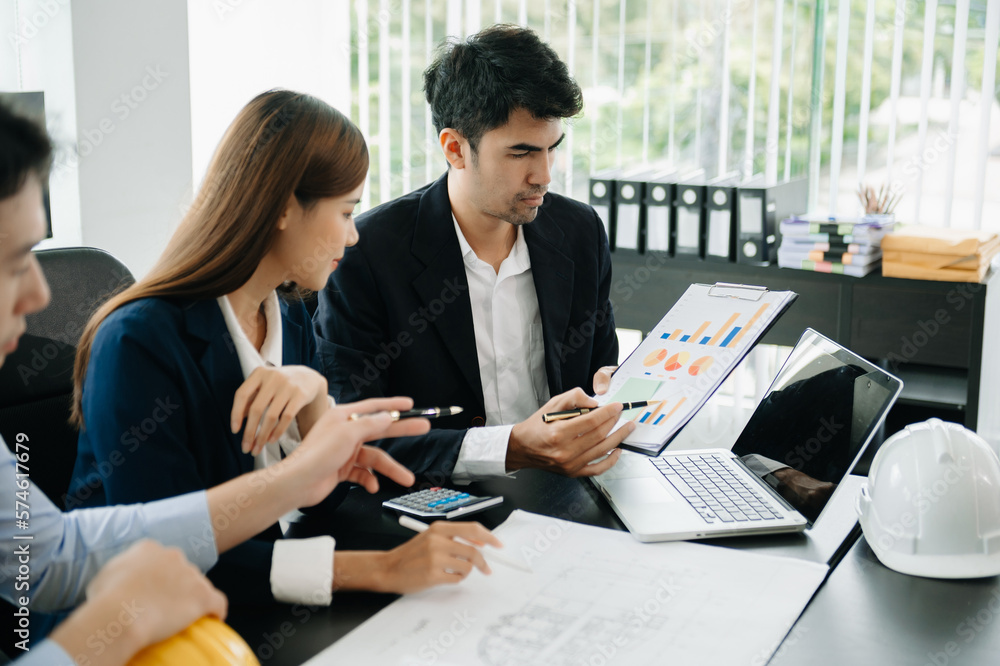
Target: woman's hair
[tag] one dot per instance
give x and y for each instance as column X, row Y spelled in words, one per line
column 281, row 143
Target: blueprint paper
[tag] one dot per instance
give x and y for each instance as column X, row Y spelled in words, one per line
column 595, row 597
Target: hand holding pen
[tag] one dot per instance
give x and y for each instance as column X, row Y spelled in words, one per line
column 490, row 555
column 444, row 552
column 580, row 446
column 573, row 413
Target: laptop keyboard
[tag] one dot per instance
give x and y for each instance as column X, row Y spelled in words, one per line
column 715, row 492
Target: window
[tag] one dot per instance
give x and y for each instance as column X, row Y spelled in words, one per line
column 894, row 92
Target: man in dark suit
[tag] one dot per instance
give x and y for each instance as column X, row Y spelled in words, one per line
column 482, row 289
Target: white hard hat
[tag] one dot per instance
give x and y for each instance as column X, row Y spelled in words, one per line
column 931, row 505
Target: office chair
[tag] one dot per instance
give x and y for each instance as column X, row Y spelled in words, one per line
column 36, row 381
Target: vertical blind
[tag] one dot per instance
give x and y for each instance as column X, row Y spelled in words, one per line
column 900, row 93
column 894, row 93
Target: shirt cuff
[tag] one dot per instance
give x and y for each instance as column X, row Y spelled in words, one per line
column 483, row 454
column 184, row 522
column 47, row 653
column 302, row 571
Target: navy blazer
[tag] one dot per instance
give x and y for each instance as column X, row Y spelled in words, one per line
column 396, row 318
column 156, row 404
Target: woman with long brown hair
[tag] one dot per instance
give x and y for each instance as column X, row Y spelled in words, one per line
column 199, row 372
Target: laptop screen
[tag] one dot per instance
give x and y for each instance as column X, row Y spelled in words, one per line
column 815, row 421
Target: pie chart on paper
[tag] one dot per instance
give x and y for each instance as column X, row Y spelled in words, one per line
column 676, row 361
column 700, row 365
column 654, row 357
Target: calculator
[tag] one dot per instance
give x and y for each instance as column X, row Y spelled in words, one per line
column 440, row 503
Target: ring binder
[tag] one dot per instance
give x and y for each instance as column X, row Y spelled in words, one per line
column 661, row 220
column 720, row 218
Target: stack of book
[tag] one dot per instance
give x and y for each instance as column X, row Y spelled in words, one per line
column 833, row 245
column 935, row 253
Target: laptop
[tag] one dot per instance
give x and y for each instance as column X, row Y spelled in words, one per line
column 814, row 423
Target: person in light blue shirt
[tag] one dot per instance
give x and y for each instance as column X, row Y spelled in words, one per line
column 51, row 570
column 64, row 551
column 107, row 558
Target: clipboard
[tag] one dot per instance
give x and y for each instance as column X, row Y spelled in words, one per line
column 688, row 355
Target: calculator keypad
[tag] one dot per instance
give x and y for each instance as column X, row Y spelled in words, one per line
column 432, row 499
column 440, row 503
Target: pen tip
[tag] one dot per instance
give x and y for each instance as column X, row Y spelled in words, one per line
column 455, row 409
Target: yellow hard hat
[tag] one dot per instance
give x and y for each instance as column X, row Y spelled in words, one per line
column 207, row 642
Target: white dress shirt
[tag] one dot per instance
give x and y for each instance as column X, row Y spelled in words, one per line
column 509, row 344
column 301, row 569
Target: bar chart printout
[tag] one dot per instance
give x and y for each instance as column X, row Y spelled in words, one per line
column 733, row 334
column 688, row 355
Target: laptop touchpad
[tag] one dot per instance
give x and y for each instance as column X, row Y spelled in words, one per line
column 638, row 491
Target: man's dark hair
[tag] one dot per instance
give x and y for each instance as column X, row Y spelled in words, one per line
column 24, row 149
column 474, row 86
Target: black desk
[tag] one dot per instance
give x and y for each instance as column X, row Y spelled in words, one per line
column 292, row 634
column 868, row 614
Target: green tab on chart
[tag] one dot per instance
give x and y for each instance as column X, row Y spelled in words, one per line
column 635, row 389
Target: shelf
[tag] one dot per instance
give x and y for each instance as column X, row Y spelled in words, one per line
column 938, row 334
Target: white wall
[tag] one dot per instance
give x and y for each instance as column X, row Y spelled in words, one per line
column 133, row 122
column 239, row 49
column 139, row 94
column 37, row 55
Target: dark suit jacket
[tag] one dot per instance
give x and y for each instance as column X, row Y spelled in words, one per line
column 396, row 319
column 156, row 403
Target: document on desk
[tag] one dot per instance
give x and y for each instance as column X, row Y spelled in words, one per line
column 688, row 355
column 595, row 596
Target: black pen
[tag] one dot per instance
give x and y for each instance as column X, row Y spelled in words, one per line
column 572, row 413
column 428, row 413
